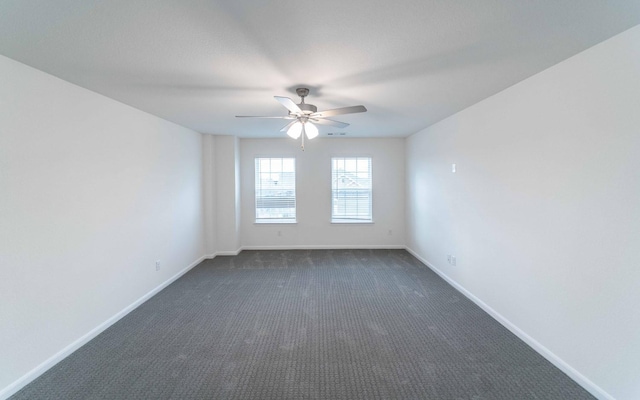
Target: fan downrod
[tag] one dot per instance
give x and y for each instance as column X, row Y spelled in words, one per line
column 306, row 108
column 302, row 92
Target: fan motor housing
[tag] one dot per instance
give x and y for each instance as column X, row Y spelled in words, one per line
column 308, row 108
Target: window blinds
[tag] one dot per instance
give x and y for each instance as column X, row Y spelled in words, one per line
column 275, row 189
column 351, row 188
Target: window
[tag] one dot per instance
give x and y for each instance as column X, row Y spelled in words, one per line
column 351, row 189
column 276, row 190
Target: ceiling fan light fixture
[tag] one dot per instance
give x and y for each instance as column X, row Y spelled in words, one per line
column 302, row 114
column 311, row 130
column 295, row 130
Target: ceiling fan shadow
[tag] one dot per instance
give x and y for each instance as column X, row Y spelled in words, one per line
column 158, row 82
column 204, row 89
column 464, row 57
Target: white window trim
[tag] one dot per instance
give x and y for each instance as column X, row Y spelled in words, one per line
column 352, row 222
column 345, row 221
column 275, row 221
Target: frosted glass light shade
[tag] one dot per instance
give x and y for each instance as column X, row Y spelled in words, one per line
column 295, row 130
column 311, row 130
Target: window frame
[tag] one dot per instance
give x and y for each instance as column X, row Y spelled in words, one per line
column 347, row 221
column 263, row 221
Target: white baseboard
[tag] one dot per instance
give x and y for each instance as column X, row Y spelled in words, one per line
column 229, row 252
column 14, row 387
column 325, row 247
column 583, row 381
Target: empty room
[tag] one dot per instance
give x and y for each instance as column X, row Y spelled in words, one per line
column 319, row 200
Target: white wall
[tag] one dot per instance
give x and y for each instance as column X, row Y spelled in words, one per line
column 227, row 160
column 313, row 190
column 209, row 187
column 92, row 192
column 542, row 212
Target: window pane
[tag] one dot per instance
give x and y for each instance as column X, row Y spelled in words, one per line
column 276, row 165
column 351, row 189
column 288, row 165
column 275, row 189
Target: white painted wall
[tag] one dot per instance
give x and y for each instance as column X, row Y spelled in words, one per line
column 210, row 198
column 227, row 174
column 542, row 213
column 313, row 190
column 92, row 192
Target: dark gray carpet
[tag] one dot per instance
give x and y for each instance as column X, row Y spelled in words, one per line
column 322, row 324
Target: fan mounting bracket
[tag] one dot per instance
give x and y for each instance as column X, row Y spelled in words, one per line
column 302, row 92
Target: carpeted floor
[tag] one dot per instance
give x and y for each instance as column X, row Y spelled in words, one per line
column 320, row 324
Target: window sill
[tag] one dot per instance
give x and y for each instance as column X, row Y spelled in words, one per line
column 351, row 222
column 275, row 222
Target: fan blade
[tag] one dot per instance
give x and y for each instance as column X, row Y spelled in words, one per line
column 338, row 111
column 286, row 128
column 289, row 104
column 254, row 116
column 329, row 122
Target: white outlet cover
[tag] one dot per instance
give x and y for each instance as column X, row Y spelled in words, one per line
column 453, row 168
column 453, row 260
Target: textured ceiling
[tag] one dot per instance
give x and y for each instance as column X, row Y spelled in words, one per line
column 200, row 63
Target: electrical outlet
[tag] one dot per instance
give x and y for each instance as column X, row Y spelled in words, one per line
column 453, row 260
column 158, row 265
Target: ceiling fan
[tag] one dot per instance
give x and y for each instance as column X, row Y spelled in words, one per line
column 304, row 116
